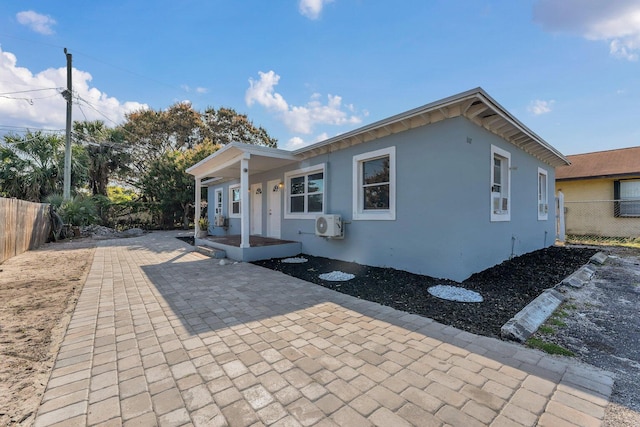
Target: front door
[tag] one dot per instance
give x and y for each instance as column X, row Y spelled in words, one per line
column 256, row 209
column 274, row 208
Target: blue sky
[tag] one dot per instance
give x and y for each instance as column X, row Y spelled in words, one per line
column 311, row 69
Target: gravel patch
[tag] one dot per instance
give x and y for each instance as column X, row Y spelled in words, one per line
column 337, row 276
column 455, row 293
column 296, row 260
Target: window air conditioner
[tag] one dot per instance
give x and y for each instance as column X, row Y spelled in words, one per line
column 218, row 221
column 329, row 226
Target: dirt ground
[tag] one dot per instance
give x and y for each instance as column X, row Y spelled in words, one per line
column 600, row 323
column 38, row 292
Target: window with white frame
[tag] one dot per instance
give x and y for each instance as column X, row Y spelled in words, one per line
column 234, row 201
column 374, row 185
column 500, row 184
column 305, row 192
column 543, row 192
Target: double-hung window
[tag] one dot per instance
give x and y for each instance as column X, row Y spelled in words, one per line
column 543, row 195
column 305, row 192
column 374, row 185
column 234, row 201
column 500, row 184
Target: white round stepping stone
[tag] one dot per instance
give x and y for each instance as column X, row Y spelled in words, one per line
column 336, row 276
column 455, row 293
column 295, row 260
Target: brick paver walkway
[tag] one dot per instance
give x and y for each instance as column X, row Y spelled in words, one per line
column 164, row 336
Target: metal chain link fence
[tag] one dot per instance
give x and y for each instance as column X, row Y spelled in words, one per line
column 602, row 221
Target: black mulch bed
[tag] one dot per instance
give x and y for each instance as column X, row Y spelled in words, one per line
column 506, row 288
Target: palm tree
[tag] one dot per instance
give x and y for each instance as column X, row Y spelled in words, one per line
column 30, row 165
column 106, row 153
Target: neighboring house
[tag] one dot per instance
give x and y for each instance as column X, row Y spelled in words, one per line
column 446, row 190
column 602, row 193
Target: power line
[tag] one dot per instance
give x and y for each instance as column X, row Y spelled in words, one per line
column 31, row 90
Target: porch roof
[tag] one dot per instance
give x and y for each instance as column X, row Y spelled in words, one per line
column 224, row 163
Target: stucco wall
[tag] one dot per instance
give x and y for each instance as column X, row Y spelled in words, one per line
column 590, row 210
column 442, row 226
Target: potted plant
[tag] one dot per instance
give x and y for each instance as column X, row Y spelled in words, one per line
column 203, row 227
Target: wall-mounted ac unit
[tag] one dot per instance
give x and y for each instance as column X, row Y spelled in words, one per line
column 329, row 226
column 218, row 221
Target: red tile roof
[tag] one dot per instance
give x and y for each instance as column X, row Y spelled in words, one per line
column 625, row 161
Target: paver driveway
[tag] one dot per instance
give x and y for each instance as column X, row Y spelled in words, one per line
column 165, row 336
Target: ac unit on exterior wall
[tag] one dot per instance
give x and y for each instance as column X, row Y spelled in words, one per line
column 218, row 221
column 329, row 226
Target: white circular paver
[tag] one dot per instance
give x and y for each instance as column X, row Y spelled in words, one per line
column 337, row 276
column 295, row 260
column 455, row 293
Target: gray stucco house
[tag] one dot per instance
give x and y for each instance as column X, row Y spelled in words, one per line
column 446, row 190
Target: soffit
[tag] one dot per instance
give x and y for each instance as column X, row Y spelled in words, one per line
column 476, row 105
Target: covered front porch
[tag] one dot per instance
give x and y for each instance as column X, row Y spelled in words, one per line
column 238, row 162
column 259, row 247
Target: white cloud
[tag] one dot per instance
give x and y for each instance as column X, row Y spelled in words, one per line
column 299, row 119
column 617, row 22
column 39, row 23
column 539, row 107
column 40, row 103
column 312, row 8
column 198, row 89
column 295, row 142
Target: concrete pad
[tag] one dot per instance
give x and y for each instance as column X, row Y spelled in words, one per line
column 529, row 319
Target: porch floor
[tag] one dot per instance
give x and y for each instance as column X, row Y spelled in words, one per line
column 254, row 241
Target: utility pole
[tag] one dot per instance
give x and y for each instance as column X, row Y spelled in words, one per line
column 68, row 95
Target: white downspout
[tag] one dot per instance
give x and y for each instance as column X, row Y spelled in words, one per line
column 244, row 201
column 196, row 215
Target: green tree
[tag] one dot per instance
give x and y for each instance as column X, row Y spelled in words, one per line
column 152, row 134
column 226, row 125
column 171, row 187
column 165, row 143
column 107, row 156
column 31, row 166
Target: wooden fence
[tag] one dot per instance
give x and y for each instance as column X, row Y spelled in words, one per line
column 23, row 226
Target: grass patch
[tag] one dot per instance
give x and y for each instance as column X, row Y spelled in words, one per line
column 548, row 347
column 547, row 330
column 557, row 322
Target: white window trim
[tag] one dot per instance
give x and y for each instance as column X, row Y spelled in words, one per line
column 230, row 207
column 287, row 196
column 358, row 210
column 545, row 214
column 504, row 216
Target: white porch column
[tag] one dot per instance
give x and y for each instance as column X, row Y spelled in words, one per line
column 197, row 207
column 245, row 211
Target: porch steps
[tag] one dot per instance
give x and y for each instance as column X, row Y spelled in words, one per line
column 211, row 252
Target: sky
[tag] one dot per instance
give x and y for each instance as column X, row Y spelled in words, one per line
column 307, row 70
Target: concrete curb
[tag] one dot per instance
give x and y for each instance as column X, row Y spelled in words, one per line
column 521, row 326
column 528, row 320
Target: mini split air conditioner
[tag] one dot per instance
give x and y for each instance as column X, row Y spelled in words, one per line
column 218, row 221
column 329, row 226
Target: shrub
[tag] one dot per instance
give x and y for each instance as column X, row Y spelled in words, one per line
column 79, row 211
